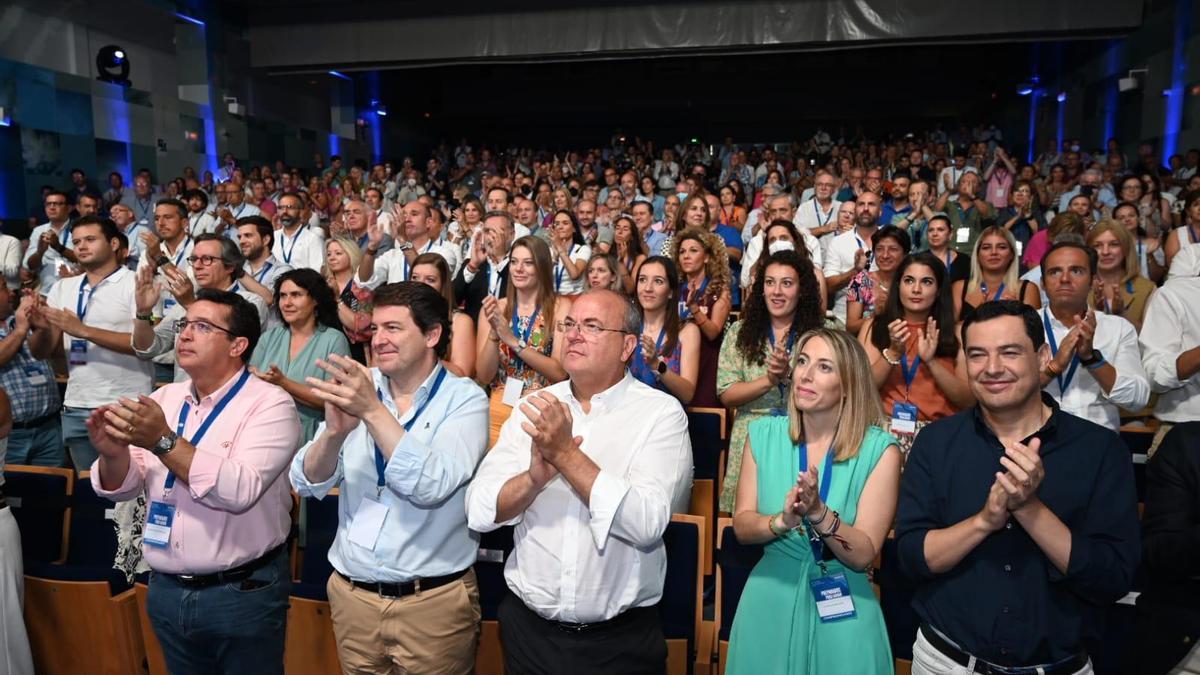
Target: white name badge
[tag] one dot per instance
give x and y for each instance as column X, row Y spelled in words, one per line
column 159, row 519
column 367, row 523
column 35, row 376
column 512, row 391
column 1001, row 193
column 78, row 354
column 962, row 235
column 1020, row 248
column 833, row 597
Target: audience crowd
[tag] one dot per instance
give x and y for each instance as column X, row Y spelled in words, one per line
column 918, row 339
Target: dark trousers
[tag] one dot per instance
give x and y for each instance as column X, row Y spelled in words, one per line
column 231, row 629
column 633, row 645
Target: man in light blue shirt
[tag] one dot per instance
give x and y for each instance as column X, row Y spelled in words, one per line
column 1094, row 179
column 400, row 441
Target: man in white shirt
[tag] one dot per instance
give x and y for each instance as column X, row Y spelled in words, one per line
column 200, row 221
column 850, row 252
column 91, row 316
column 122, row 215
column 758, row 217
column 255, row 238
column 297, row 243
column 778, row 208
column 400, row 441
column 412, row 240
column 589, row 471
column 948, row 180
column 1097, row 369
column 50, row 242
column 819, row 215
column 1170, row 340
column 234, row 209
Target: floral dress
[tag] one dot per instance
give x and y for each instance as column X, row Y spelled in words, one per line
column 862, row 290
column 511, row 365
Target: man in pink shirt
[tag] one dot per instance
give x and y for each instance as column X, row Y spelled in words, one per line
column 211, row 452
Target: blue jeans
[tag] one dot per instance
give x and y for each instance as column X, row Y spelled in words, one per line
column 75, row 436
column 37, row 446
column 222, row 629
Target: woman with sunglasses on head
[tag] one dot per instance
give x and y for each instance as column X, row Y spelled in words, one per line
column 518, row 343
column 913, row 348
column 342, row 257
column 668, row 354
column 286, row 355
column 756, row 355
column 818, row 488
column 432, row 270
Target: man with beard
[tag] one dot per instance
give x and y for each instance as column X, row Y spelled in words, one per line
column 414, row 239
column 200, row 220
column 256, row 239
column 850, row 252
column 296, row 243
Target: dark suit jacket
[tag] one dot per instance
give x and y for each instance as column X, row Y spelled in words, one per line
column 471, row 295
column 1169, row 608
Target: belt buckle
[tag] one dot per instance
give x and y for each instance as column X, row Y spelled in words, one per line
column 417, row 586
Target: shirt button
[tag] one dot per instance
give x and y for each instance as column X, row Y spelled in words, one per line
column 1008, row 525
column 1008, row 568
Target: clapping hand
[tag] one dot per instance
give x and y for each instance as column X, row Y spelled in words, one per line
column 927, row 343
column 899, row 333
column 351, row 386
column 649, row 351
column 778, row 365
column 1024, row 475
column 139, row 422
column 272, row 375
column 549, row 425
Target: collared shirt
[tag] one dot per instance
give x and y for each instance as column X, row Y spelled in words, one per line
column 839, row 259
column 305, row 249
column 1116, row 340
column 392, row 266
column 1005, row 602
column 202, row 223
column 1105, row 196
column 29, row 382
column 51, row 259
column 10, row 260
column 756, row 247
column 425, row 532
column 236, row 504
column 137, row 247
column 1172, row 326
column 590, row 562
column 107, row 375
column 810, row 215
column 268, row 272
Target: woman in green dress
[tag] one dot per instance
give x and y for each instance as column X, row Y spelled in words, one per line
column 756, row 355
column 287, row 354
column 818, row 488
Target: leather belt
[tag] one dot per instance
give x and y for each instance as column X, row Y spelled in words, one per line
column 229, row 576
column 616, row 621
column 1067, row 665
column 35, row 422
column 400, row 589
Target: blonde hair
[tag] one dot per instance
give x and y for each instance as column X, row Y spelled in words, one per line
column 352, row 251
column 860, row 408
column 1012, row 276
column 1132, row 265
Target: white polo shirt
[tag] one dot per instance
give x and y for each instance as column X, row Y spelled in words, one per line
column 1116, row 340
column 51, row 258
column 305, row 249
column 201, row 223
column 99, row 376
column 392, row 266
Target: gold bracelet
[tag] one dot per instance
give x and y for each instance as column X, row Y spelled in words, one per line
column 895, row 361
column 779, row 533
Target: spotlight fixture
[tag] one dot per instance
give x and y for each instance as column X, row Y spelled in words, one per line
column 381, row 111
column 1062, row 96
column 1024, row 89
column 1129, row 82
column 112, row 64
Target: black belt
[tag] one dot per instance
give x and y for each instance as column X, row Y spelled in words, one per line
column 400, row 589
column 615, row 622
column 229, row 576
column 1068, row 665
column 35, row 422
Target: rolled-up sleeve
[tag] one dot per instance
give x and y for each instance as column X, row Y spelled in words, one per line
column 637, row 508
column 299, row 480
column 1131, row 390
column 509, row 457
column 264, row 449
column 915, row 512
column 1105, row 547
column 131, row 486
column 164, row 340
column 1162, row 342
column 429, row 473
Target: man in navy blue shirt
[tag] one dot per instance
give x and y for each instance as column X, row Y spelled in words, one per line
column 1018, row 521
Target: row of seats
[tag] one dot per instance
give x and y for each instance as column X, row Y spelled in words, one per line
column 69, row 544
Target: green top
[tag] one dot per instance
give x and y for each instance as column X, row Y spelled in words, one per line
column 273, row 349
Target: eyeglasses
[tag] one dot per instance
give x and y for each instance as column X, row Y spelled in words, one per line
column 590, row 329
column 202, row 327
column 56, row 203
column 204, row 260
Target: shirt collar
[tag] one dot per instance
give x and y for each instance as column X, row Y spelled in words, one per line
column 194, row 399
column 383, row 386
column 609, row 398
column 1046, row 432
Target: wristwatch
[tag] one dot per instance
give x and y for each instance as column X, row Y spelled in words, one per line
column 165, row 444
column 405, row 246
column 1097, row 357
column 662, row 367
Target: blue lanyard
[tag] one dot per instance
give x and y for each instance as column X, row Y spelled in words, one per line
column 637, row 351
column 818, row 545
column 380, row 463
column 559, row 269
column 698, row 295
column 1192, row 235
column 948, row 259
column 212, row 417
column 81, row 307
column 791, row 340
column 284, row 249
column 1064, row 379
column 494, row 280
column 404, row 261
column 523, row 336
column 817, row 210
column 909, row 374
column 64, row 237
column 182, row 250
column 261, row 275
column 983, row 289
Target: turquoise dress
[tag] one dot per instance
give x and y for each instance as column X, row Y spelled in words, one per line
column 273, row 349
column 776, row 629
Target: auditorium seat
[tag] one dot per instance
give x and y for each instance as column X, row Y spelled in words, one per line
column 1139, row 439
column 156, row 664
column 79, row 627
column 40, row 501
column 707, row 431
column 682, row 604
column 895, row 601
column 320, row 527
column 494, row 549
column 310, row 647
column 734, row 563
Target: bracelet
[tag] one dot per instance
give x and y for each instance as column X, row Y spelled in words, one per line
column 894, row 360
column 820, row 520
column 1100, row 362
column 837, row 523
column 148, row 316
column 1052, row 370
column 778, row 532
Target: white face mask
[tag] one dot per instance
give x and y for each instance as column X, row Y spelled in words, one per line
column 412, row 182
column 780, row 245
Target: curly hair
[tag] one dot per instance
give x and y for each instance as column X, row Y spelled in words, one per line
column 312, row 283
column 716, row 269
column 756, row 319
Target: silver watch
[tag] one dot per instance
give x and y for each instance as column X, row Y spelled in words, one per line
column 165, row 444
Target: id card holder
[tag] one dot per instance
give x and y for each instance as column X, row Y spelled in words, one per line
column 512, row 391
column 78, row 353
column 832, row 594
column 368, row 523
column 904, row 418
column 168, row 303
column 962, row 235
column 159, row 519
column 35, row 375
